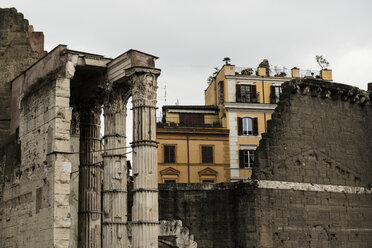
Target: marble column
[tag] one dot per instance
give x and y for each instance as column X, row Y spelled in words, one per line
column 145, row 216
column 114, row 219
column 90, row 176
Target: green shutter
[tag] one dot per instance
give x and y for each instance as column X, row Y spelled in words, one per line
column 255, row 126
column 272, row 94
column 253, row 94
column 241, row 159
column 240, row 126
column 237, row 93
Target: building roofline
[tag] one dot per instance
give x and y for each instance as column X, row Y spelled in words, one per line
column 134, row 50
column 194, row 130
column 191, row 107
column 85, row 53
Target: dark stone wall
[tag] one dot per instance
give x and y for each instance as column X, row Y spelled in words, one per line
column 218, row 215
column 20, row 47
column 292, row 219
column 321, row 134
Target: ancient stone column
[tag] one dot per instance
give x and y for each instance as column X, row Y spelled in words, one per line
column 90, row 176
column 145, row 219
column 114, row 219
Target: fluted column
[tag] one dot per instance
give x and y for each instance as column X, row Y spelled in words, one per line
column 114, row 219
column 145, row 217
column 89, row 226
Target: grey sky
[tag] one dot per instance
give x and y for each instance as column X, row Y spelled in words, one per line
column 192, row 37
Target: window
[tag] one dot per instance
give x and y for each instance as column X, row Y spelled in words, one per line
column 246, row 159
column 170, row 181
column 169, row 154
column 207, row 154
column 247, row 126
column 275, row 93
column 246, row 93
column 221, row 92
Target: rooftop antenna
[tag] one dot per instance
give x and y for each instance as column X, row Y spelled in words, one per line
column 165, row 94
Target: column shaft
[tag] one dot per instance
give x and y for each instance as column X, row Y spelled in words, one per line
column 114, row 229
column 89, row 225
column 145, row 194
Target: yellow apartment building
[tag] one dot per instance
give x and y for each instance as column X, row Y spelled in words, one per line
column 246, row 98
column 193, row 147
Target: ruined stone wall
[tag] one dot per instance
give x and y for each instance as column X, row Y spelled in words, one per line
column 20, row 47
column 35, row 210
column 318, row 153
column 218, row 215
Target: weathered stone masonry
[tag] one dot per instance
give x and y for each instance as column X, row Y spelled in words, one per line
column 20, row 47
column 319, row 139
column 55, row 194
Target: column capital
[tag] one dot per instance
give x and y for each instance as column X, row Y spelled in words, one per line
column 115, row 101
column 143, row 82
column 89, row 110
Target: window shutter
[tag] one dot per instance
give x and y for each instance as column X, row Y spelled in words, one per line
column 272, row 94
column 253, row 93
column 172, row 154
column 255, row 126
column 240, row 126
column 166, row 154
column 238, row 93
column 207, row 154
column 222, row 92
column 169, row 154
column 241, row 159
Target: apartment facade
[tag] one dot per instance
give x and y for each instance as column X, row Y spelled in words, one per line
column 246, row 99
column 193, row 147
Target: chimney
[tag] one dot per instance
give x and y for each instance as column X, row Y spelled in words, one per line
column 295, row 72
column 326, row 74
column 261, row 71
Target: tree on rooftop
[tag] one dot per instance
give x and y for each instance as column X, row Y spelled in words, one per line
column 226, row 60
column 322, row 62
column 214, row 74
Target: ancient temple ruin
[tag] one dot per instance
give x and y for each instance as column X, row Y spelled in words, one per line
column 55, row 115
column 81, row 190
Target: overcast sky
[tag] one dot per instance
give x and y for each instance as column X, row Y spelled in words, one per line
column 192, row 37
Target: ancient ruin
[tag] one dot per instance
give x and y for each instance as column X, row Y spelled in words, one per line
column 56, row 105
column 63, row 185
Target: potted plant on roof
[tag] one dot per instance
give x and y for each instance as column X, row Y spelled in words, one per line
column 248, row 71
column 226, row 60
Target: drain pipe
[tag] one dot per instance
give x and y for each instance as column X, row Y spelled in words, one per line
column 188, row 160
